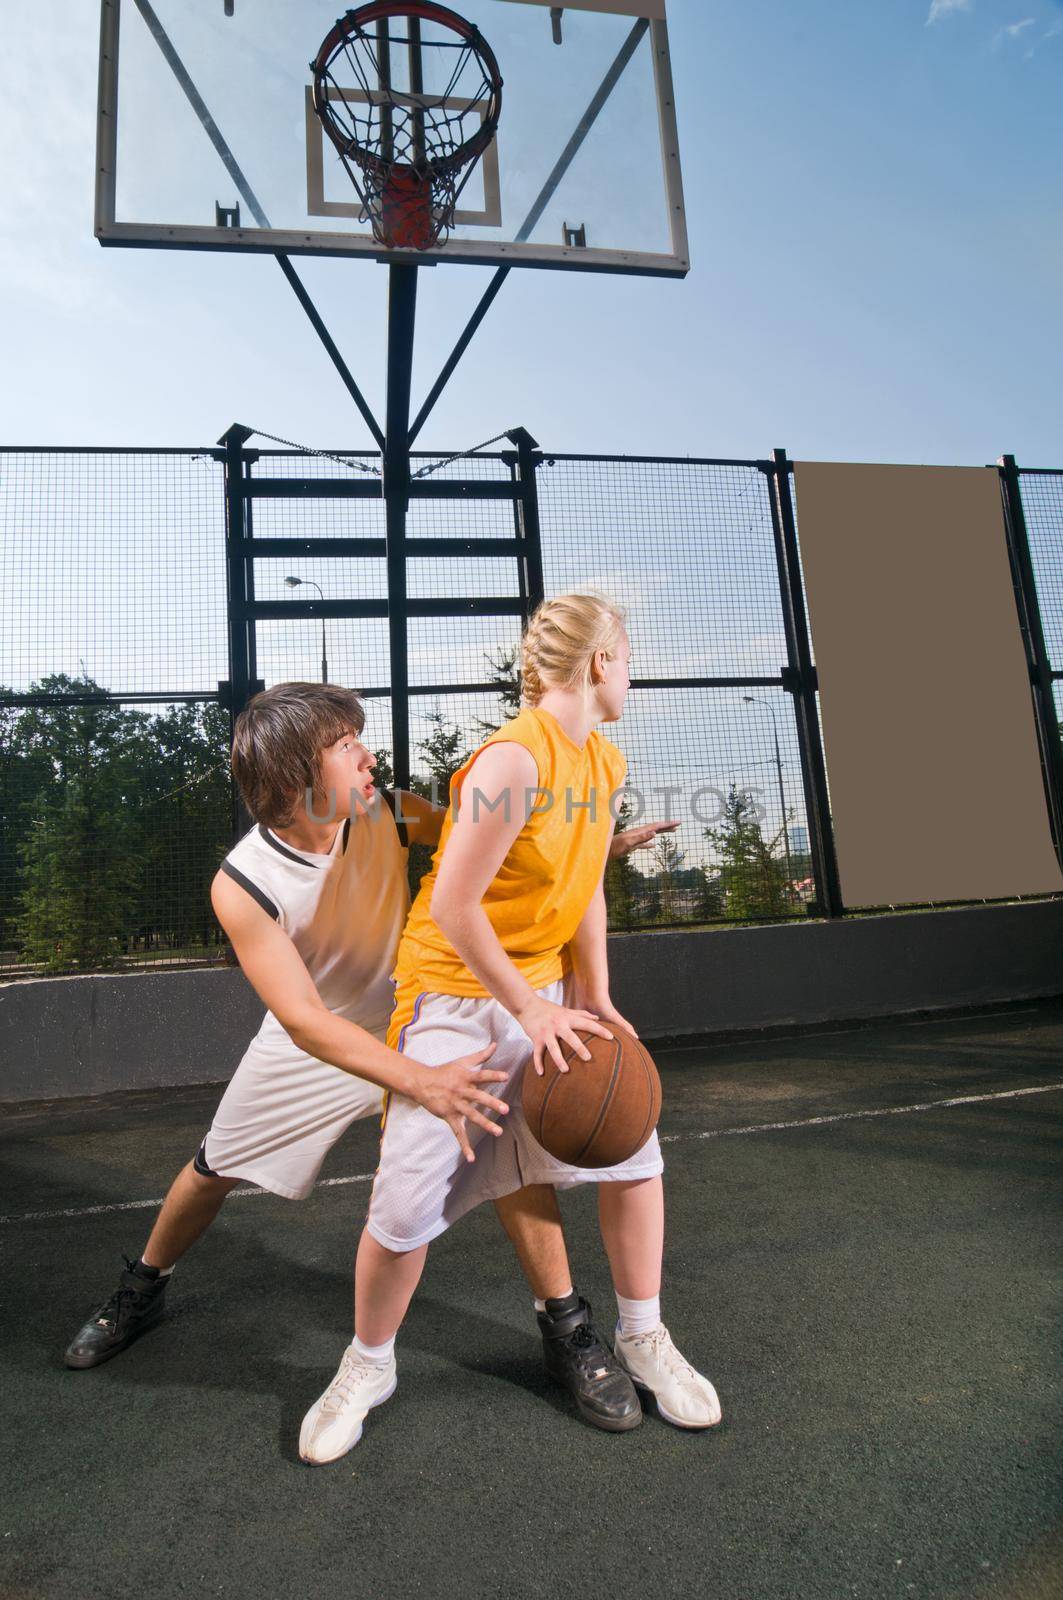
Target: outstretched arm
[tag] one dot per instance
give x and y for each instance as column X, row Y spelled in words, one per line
column 636, row 838
column 424, row 821
column 279, row 976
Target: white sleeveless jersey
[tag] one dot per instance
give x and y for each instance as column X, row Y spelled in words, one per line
column 344, row 911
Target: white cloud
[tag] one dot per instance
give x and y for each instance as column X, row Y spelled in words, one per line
column 1014, row 30
column 943, row 8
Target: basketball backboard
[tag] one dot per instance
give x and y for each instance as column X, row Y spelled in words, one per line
column 208, row 137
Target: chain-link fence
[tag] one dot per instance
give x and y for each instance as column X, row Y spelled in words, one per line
column 1042, row 501
column 115, row 798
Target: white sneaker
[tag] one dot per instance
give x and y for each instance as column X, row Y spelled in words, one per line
column 334, row 1422
column 652, row 1361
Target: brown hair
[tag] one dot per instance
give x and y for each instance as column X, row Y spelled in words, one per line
column 561, row 640
column 278, row 740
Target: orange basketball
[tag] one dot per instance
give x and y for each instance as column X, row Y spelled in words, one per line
column 600, row 1111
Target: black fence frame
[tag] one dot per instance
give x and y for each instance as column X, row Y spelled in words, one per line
column 798, row 677
column 517, row 484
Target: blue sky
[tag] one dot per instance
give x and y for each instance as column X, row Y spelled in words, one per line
column 874, row 193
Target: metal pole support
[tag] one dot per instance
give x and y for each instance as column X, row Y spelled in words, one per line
column 800, row 679
column 242, row 682
column 524, row 465
column 1037, row 659
column 402, row 305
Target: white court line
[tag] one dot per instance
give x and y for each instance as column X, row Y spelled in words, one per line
column 146, row 1205
column 852, row 1116
column 668, row 1138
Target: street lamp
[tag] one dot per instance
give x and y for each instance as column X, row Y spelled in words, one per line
column 293, row 583
column 751, row 700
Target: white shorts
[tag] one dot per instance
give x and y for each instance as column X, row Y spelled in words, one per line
column 424, row 1183
column 281, row 1114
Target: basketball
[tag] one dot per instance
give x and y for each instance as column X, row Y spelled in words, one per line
column 601, row 1111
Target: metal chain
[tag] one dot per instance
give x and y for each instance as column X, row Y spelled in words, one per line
column 361, row 466
column 459, row 456
column 343, row 461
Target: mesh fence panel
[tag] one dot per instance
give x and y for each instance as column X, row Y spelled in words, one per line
column 113, row 814
column 356, row 649
column 113, row 568
column 1042, row 503
column 116, row 810
column 687, row 548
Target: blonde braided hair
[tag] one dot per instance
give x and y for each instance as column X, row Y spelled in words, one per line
column 561, row 639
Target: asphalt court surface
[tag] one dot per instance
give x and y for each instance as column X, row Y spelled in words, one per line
column 863, row 1254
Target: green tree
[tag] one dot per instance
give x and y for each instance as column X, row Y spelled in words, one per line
column 78, row 872
column 751, row 879
column 444, row 751
column 668, row 860
column 506, row 677
column 75, row 894
column 709, row 903
column 182, row 822
column 24, row 774
column 622, row 880
column 383, row 772
column 130, row 814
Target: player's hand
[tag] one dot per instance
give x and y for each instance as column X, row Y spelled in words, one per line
column 548, row 1026
column 622, row 844
column 451, row 1093
column 602, row 1007
column 609, row 1013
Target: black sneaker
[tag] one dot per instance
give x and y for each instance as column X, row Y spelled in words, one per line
column 136, row 1305
column 575, row 1356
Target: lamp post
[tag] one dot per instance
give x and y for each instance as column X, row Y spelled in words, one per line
column 293, row 583
column 751, row 700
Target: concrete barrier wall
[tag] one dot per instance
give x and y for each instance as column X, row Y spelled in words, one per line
column 94, row 1035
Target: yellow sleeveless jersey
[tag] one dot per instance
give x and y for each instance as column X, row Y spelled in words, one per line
column 537, row 898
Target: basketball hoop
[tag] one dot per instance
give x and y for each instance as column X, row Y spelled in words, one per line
column 410, row 113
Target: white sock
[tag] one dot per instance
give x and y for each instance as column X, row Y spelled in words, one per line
column 540, row 1305
column 164, row 1272
column 378, row 1354
column 638, row 1316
